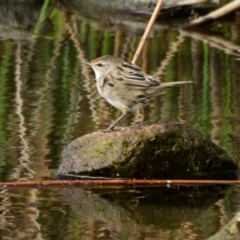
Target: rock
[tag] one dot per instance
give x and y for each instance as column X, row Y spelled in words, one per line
column 171, row 150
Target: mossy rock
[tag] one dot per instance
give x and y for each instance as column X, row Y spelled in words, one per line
column 170, row 150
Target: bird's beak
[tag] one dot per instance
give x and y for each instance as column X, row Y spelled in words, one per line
column 87, row 63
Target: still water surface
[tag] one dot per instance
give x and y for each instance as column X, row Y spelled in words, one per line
column 48, row 99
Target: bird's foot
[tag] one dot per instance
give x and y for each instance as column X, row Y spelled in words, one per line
column 119, row 129
column 106, row 130
column 142, row 123
column 110, row 129
column 145, row 122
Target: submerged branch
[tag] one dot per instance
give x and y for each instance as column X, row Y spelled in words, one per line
column 116, row 182
column 215, row 41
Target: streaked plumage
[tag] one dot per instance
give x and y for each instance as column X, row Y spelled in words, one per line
column 124, row 85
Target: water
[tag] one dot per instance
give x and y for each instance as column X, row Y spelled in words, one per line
column 48, row 99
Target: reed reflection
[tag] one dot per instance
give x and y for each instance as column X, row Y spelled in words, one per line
column 47, row 99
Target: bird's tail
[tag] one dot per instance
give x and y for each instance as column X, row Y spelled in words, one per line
column 172, row 84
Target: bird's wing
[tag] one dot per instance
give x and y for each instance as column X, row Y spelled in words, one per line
column 140, row 81
column 133, row 77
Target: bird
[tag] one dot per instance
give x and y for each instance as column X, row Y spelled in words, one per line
column 124, row 85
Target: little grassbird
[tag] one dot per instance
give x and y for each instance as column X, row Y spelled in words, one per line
column 124, row 85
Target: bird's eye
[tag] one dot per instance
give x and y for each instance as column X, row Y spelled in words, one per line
column 99, row 64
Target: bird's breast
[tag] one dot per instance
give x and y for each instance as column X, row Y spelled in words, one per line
column 112, row 96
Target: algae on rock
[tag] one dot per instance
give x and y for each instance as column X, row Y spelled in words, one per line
column 170, row 150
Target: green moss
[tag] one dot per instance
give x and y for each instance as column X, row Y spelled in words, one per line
column 154, row 151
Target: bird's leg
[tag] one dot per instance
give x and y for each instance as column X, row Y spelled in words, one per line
column 145, row 115
column 111, row 127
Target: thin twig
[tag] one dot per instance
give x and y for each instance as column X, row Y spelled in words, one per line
column 215, row 14
column 115, row 183
column 147, row 31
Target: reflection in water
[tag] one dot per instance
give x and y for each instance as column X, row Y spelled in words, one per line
column 24, row 162
column 24, row 218
column 47, row 99
column 75, row 213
